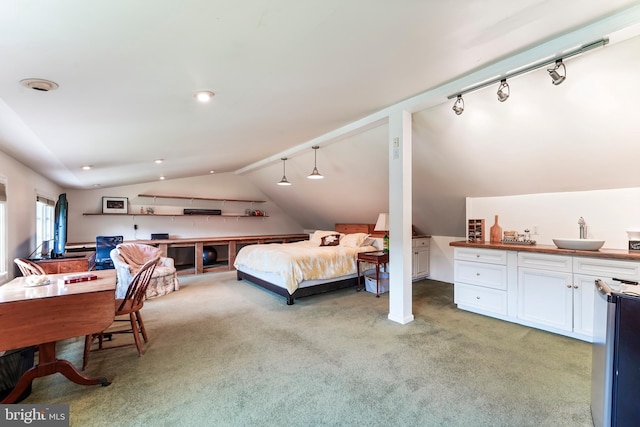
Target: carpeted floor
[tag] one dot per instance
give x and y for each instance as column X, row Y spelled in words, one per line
column 226, row 353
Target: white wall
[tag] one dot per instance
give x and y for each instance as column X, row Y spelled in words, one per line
column 608, row 214
column 22, row 186
column 85, row 228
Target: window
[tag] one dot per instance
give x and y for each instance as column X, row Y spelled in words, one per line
column 45, row 211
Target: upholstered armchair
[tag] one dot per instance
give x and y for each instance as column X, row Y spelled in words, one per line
column 127, row 260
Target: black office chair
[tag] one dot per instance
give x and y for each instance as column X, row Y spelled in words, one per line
column 104, row 245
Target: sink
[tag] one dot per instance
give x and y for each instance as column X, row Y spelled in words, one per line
column 579, row 244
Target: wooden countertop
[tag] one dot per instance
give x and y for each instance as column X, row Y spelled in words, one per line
column 551, row 249
column 192, row 240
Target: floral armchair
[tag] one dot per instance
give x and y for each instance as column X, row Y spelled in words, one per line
column 129, row 257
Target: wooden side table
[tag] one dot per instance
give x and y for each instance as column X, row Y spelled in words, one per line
column 378, row 258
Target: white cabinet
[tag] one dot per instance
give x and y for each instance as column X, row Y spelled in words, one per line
column 551, row 297
column 420, row 257
column 480, row 280
column 545, row 290
column 555, row 293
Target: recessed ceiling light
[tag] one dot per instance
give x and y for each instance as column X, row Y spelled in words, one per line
column 212, row 171
column 162, row 178
column 204, row 95
column 41, row 85
column 158, row 161
column 86, row 167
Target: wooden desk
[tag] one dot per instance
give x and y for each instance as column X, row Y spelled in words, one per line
column 45, row 314
column 81, row 262
column 378, row 258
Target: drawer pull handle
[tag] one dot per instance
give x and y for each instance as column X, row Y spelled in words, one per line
column 477, row 274
column 569, row 286
column 477, row 297
column 575, row 286
column 477, row 255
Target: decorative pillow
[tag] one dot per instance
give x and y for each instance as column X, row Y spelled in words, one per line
column 317, row 236
column 330, row 240
column 354, row 240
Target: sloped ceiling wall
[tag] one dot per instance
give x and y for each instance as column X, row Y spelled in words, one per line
column 581, row 135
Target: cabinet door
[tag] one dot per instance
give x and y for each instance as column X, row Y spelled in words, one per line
column 420, row 262
column 546, row 298
column 584, row 294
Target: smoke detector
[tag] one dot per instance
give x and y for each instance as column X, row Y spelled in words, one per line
column 41, row 85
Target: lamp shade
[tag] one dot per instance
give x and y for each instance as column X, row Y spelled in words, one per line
column 383, row 222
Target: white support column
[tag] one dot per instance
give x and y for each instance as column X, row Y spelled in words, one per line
column 400, row 202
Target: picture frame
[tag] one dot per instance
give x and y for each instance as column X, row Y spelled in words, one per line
column 115, row 205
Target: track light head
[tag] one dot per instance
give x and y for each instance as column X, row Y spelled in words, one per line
column 558, row 73
column 458, row 106
column 503, row 91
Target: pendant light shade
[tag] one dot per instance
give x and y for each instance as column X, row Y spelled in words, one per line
column 315, row 174
column 284, row 180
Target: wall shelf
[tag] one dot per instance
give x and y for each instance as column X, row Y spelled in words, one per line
column 170, row 214
column 157, row 196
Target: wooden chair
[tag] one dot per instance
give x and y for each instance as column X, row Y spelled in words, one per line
column 130, row 305
column 28, row 268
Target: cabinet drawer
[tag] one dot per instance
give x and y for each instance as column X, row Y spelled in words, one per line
column 420, row 243
column 491, row 256
column 476, row 273
column 485, row 299
column 545, row 262
column 602, row 268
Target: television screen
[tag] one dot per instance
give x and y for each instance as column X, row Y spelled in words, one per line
column 60, row 226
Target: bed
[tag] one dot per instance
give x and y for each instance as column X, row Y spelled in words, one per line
column 325, row 262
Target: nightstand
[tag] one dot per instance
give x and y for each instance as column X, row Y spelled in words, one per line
column 378, row 258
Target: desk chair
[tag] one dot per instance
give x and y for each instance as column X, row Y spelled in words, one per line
column 28, row 268
column 104, row 245
column 131, row 304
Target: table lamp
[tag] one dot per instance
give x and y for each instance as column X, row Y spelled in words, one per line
column 383, row 225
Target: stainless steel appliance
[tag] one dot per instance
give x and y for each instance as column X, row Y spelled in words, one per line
column 615, row 376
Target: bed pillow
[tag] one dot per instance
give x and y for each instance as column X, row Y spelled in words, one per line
column 330, row 240
column 354, row 240
column 317, row 236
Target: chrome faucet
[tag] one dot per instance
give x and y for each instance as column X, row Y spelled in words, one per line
column 583, row 228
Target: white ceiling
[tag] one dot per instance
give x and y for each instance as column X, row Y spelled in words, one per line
column 284, row 72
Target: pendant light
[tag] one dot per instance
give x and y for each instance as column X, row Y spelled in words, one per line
column 315, row 174
column 284, row 180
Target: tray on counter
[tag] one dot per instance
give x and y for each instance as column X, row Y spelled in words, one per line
column 518, row 242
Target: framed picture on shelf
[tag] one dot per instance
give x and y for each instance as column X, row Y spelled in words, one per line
column 116, row 205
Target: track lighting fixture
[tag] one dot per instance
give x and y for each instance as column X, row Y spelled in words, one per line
column 458, row 107
column 315, row 174
column 558, row 73
column 284, row 180
column 503, row 91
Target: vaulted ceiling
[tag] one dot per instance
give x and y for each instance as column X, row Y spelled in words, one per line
column 283, row 72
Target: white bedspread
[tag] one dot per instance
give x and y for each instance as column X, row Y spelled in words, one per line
column 299, row 261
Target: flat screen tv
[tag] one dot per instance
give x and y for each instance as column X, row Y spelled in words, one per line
column 60, row 226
